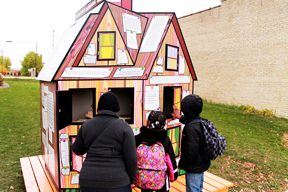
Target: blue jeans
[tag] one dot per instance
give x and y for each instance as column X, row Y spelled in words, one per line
column 194, row 182
column 123, row 189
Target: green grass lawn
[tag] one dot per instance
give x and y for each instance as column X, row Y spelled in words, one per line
column 19, row 129
column 255, row 158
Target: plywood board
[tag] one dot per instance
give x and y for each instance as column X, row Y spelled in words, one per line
column 28, row 175
column 42, row 181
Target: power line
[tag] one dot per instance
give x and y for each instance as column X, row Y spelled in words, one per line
column 23, row 41
column 30, row 28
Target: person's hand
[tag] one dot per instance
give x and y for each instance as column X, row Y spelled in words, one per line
column 180, row 167
column 176, row 112
column 133, row 186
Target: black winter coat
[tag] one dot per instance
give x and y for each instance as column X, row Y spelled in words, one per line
column 153, row 136
column 111, row 160
column 191, row 146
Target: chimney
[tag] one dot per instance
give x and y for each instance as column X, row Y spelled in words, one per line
column 127, row 4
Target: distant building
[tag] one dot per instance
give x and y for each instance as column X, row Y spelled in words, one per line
column 15, row 72
column 239, row 51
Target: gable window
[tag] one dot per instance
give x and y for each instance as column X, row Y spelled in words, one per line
column 106, row 45
column 172, row 58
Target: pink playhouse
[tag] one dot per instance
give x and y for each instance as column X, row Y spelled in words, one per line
column 141, row 57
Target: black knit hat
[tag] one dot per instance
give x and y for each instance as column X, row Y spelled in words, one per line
column 109, row 101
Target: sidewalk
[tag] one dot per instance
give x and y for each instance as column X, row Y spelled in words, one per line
column 5, row 85
column 15, row 77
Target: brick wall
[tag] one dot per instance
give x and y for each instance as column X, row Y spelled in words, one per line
column 240, row 53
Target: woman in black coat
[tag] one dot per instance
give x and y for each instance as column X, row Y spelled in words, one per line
column 110, row 164
column 155, row 132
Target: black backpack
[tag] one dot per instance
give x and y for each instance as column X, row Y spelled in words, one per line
column 214, row 143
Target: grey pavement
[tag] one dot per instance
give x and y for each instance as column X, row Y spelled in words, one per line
column 14, row 77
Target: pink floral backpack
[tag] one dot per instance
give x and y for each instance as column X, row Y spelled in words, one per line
column 151, row 166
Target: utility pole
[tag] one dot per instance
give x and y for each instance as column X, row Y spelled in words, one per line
column 53, row 40
column 2, row 61
column 36, row 47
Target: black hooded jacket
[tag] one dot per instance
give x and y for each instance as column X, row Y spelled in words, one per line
column 153, row 136
column 192, row 136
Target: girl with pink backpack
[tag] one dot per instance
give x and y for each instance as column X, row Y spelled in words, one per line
column 156, row 165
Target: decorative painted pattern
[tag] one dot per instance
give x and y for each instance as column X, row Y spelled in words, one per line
column 77, row 45
column 117, row 15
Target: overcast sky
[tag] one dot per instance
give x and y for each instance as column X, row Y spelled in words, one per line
column 29, row 24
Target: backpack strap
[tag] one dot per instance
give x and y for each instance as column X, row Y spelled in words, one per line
column 196, row 120
column 101, row 131
column 165, row 142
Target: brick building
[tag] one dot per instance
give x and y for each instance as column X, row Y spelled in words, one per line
column 240, row 53
column 15, row 72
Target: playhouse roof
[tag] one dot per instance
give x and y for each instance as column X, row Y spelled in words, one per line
column 71, row 48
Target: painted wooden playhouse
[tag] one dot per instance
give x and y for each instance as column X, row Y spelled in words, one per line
column 141, row 57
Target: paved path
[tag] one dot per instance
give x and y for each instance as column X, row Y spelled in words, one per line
column 5, row 85
column 14, row 77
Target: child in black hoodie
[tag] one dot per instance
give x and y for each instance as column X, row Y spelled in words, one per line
column 192, row 142
column 155, row 132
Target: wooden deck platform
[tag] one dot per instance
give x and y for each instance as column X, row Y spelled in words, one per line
column 36, row 179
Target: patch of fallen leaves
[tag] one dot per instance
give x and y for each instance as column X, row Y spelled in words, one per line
column 285, row 139
column 250, row 174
